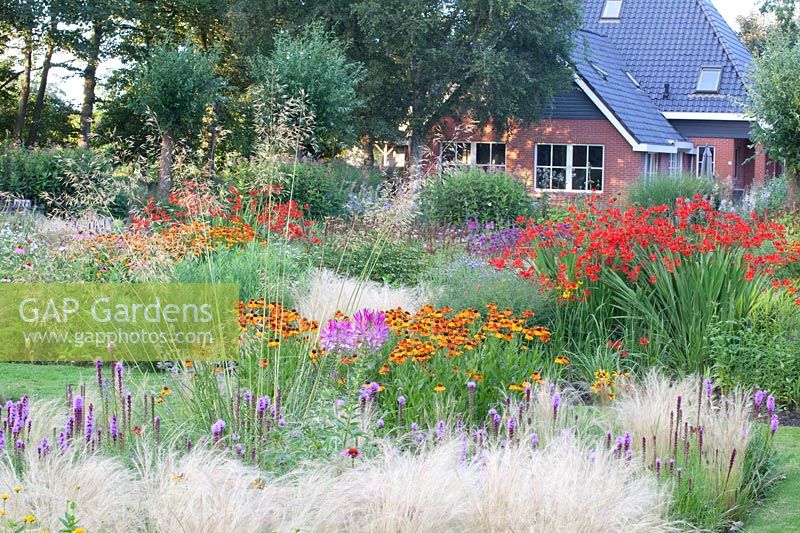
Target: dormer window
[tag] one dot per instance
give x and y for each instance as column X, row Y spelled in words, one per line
column 709, row 80
column 612, row 9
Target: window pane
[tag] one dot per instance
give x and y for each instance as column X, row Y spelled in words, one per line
column 579, row 179
column 579, row 156
column 448, row 153
column 559, row 178
column 596, row 179
column 559, row 155
column 612, row 9
column 709, row 80
column 463, row 153
column 543, row 155
column 499, row 154
column 596, row 156
column 542, row 178
column 482, row 151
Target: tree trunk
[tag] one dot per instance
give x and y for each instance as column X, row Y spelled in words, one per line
column 24, row 87
column 792, row 188
column 89, row 83
column 38, row 107
column 165, row 166
column 368, row 148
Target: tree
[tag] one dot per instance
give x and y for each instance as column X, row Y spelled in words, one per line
column 775, row 106
column 753, row 30
column 786, row 14
column 315, row 65
column 175, row 86
column 503, row 59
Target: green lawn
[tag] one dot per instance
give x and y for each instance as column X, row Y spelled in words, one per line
column 780, row 512
column 45, row 382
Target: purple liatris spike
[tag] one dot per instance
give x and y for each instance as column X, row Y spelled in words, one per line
column 63, row 444
column 770, row 404
column 535, row 440
column 440, row 429
column 119, row 368
column 99, row 366
column 2, row 439
column 44, row 447
column 471, row 386
column 556, row 403
column 240, row 450
column 89, row 428
column 773, row 424
column 380, row 423
column 626, row 441
column 658, row 467
column 758, row 399
column 608, row 439
column 709, row 387
column 217, row 428
column 113, row 428
column 511, row 427
column 414, row 427
column 262, row 404
column 496, row 422
column 19, row 445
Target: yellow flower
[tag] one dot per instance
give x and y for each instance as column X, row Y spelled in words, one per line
column 4, row 496
column 17, row 489
column 439, row 387
column 2, row 512
column 78, row 530
column 562, row 360
column 29, row 519
column 165, row 391
column 514, row 386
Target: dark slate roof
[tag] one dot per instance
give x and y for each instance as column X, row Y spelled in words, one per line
column 668, row 41
column 631, row 106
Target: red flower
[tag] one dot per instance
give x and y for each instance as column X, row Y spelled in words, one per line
column 643, row 341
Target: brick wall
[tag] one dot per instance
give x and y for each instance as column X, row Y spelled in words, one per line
column 622, row 166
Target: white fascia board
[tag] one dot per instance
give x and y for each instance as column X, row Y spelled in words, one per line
column 637, row 146
column 705, row 116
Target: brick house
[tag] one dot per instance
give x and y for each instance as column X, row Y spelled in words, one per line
column 659, row 87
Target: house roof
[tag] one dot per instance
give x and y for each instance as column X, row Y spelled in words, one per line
column 602, row 74
column 669, row 41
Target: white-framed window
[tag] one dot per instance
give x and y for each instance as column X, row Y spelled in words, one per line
column 706, row 160
column 569, row 167
column 612, row 10
column 489, row 156
column 709, row 80
column 676, row 164
column 650, row 165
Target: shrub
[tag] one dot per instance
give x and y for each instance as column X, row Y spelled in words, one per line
column 259, row 270
column 475, row 195
column 326, row 188
column 56, row 173
column 377, row 259
column 772, row 198
column 467, row 283
column 761, row 350
column 665, row 189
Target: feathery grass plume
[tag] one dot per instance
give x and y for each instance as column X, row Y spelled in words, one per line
column 325, row 292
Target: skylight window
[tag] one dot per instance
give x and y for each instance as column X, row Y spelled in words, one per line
column 612, row 9
column 709, row 80
column 633, row 80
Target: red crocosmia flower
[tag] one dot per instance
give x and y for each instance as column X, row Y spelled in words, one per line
column 644, row 341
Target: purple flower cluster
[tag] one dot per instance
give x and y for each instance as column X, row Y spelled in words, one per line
column 487, row 245
column 367, row 329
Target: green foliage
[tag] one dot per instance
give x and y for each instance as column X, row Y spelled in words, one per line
column 466, row 283
column 31, row 173
column 775, row 103
column 326, row 188
column 175, row 86
column 474, row 195
column 773, row 197
column 260, row 270
column 761, row 350
column 666, row 189
column 376, row 258
column 313, row 67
